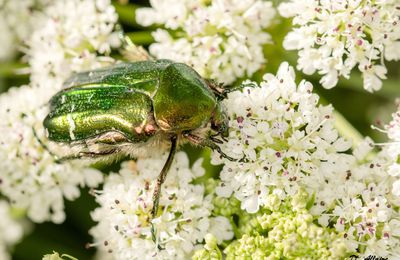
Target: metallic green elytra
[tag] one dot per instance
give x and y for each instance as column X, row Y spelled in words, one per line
column 133, row 102
column 129, row 107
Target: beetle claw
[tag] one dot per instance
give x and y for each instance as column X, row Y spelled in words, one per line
column 224, row 155
column 244, row 159
column 216, row 140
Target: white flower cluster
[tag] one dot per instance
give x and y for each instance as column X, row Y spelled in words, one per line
column 367, row 197
column 17, row 19
column 10, row 230
column 221, row 39
column 283, row 138
column 63, row 42
column 30, row 178
column 285, row 142
column 359, row 201
column 335, row 36
column 69, row 39
column 393, row 148
column 126, row 202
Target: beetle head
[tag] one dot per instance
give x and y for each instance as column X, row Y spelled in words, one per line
column 220, row 122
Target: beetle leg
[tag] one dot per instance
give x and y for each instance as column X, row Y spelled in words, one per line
column 212, row 137
column 240, row 87
column 160, row 181
column 222, row 93
column 86, row 155
column 215, row 140
column 80, row 155
column 197, row 140
column 42, row 143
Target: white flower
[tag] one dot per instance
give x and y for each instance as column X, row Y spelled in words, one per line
column 396, row 188
column 10, row 230
column 17, row 19
column 285, row 142
column 391, row 151
column 29, row 177
column 393, row 133
column 63, row 42
column 335, row 36
column 363, row 148
column 286, row 139
column 221, row 228
column 126, row 201
column 7, row 39
column 67, row 41
column 365, row 200
column 221, row 39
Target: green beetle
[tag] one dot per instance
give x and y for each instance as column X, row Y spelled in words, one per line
column 130, row 107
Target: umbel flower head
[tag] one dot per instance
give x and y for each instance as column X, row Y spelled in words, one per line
column 221, row 39
column 285, row 143
column 284, row 138
column 17, row 20
column 283, row 229
column 10, row 230
column 185, row 214
column 62, row 43
column 68, row 42
column 30, row 178
column 364, row 205
column 333, row 37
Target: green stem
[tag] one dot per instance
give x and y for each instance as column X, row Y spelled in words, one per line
column 126, row 14
column 224, row 244
column 235, row 229
column 10, row 70
column 390, row 88
column 68, row 257
column 141, row 37
column 346, row 129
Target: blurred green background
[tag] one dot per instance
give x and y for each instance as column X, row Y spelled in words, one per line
column 349, row 98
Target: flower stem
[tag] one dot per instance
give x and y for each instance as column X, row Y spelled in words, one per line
column 12, row 70
column 346, row 129
column 235, row 228
column 141, row 37
column 389, row 90
column 126, row 14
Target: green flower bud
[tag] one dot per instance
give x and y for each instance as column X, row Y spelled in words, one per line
column 285, row 231
column 210, row 250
